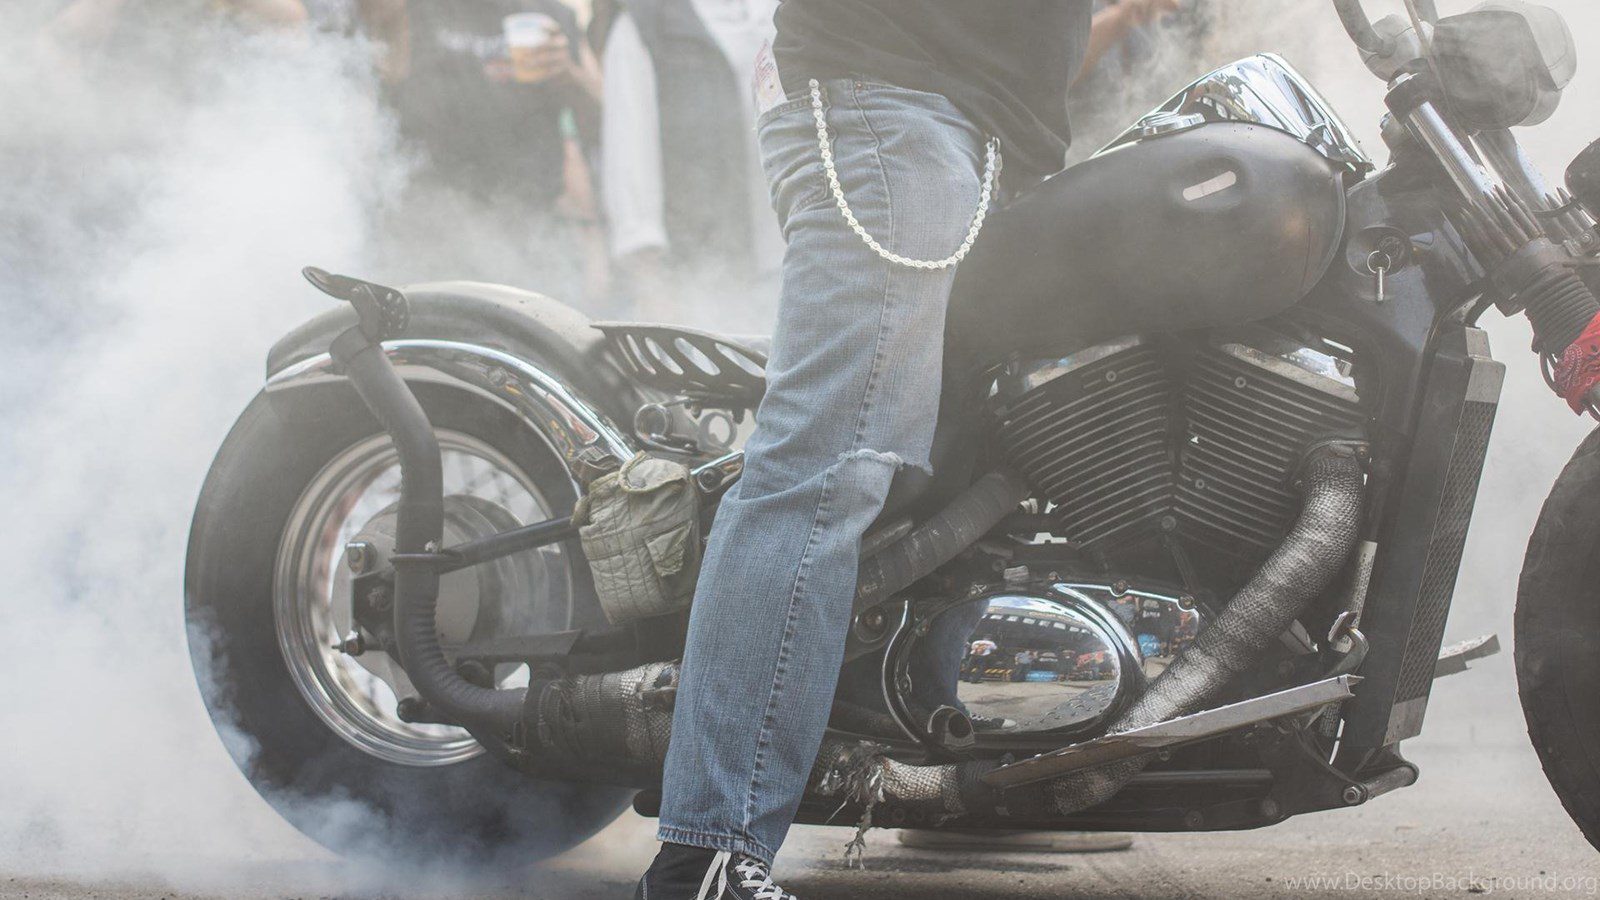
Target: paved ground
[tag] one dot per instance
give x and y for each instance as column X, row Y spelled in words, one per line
column 1482, row 820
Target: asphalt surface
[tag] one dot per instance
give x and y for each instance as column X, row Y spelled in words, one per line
column 1482, row 820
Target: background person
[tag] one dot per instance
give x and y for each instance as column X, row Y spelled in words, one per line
column 1120, row 35
column 978, row 658
column 1021, row 665
column 505, row 145
column 684, row 194
column 1140, row 51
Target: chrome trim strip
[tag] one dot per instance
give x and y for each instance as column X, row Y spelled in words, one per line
column 1264, row 90
column 567, row 423
column 1283, row 368
column 1025, row 376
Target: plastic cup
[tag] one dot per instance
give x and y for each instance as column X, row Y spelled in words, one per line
column 525, row 34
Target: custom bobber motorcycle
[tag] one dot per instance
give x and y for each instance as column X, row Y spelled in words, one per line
column 1215, row 414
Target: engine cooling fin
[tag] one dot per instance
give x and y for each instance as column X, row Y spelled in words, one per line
column 1127, row 441
column 1095, row 439
column 1250, row 417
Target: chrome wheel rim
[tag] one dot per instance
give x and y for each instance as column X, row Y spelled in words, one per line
column 355, row 696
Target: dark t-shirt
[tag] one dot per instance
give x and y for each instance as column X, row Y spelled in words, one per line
column 480, row 135
column 1007, row 64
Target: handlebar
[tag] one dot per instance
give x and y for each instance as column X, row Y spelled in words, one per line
column 1359, row 27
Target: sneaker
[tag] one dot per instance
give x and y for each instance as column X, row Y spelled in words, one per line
column 991, row 723
column 680, row 872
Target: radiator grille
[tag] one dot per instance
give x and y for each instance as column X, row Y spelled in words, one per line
column 1444, row 550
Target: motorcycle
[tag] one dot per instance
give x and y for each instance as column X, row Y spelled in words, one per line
column 1214, row 417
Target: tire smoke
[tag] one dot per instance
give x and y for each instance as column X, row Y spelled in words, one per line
column 160, row 191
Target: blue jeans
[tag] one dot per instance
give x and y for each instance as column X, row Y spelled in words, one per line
column 853, row 395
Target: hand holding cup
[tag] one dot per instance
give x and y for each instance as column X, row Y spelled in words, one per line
column 538, row 48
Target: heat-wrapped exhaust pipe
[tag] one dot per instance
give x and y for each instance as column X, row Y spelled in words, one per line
column 599, row 723
column 625, row 717
column 614, row 725
column 1299, row 571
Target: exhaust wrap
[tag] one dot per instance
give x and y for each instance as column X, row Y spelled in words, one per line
column 625, row 718
column 1300, row 570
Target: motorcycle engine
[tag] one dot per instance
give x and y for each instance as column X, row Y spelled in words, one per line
column 1171, row 446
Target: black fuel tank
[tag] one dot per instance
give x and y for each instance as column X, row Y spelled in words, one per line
column 1222, row 224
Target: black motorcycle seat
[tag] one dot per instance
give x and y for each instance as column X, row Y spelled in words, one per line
column 716, row 369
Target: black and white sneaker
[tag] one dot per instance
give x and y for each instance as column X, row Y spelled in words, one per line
column 690, row 873
column 991, row 723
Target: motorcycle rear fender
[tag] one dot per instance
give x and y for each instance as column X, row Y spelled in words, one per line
column 533, row 355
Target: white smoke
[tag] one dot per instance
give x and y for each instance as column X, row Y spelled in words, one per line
column 152, row 223
column 150, row 252
column 159, row 196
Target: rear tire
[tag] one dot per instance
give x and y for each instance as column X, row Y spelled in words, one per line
column 475, row 810
column 1558, row 637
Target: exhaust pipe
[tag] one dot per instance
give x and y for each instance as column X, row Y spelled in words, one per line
column 1299, row 571
column 1304, row 566
column 606, row 727
column 596, row 723
column 626, row 717
column 618, row 725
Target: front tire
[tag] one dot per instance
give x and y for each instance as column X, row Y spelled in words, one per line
column 346, row 771
column 1558, row 637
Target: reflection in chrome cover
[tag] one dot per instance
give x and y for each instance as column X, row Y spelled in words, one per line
column 1037, row 664
column 1043, row 659
column 1264, row 90
column 1162, row 624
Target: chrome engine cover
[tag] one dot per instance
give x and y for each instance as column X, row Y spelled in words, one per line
column 1067, row 655
column 1198, row 441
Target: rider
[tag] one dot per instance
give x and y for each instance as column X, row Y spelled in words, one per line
column 915, row 97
